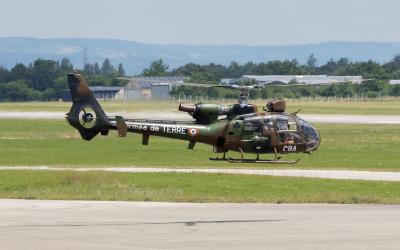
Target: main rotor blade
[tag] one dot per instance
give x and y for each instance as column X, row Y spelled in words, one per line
column 250, row 87
column 205, row 85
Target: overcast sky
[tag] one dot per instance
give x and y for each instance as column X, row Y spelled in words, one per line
column 252, row 22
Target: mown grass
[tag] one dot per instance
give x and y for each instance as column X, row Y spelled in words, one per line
column 55, row 143
column 348, row 108
column 307, row 106
column 191, row 188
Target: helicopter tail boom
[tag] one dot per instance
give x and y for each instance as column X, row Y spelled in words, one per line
column 86, row 114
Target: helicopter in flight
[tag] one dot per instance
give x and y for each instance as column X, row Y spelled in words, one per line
column 238, row 127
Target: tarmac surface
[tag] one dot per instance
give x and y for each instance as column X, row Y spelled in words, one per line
column 35, row 224
column 309, row 173
column 320, row 118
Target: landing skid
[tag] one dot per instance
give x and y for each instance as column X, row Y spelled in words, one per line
column 277, row 159
column 231, row 160
column 219, row 159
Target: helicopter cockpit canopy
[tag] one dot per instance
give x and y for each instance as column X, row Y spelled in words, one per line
column 311, row 135
column 286, row 130
column 295, row 130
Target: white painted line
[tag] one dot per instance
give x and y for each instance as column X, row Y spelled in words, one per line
column 326, row 174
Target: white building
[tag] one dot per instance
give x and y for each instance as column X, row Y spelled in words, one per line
column 394, row 81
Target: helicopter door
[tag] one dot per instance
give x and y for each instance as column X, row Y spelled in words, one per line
column 289, row 138
column 256, row 134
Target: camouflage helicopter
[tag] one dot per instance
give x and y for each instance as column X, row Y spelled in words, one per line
column 238, row 127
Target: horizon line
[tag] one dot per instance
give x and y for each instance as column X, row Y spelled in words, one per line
column 193, row 44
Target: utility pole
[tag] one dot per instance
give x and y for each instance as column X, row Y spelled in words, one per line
column 85, row 57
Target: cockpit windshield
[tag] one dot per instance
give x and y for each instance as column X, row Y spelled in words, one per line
column 311, row 135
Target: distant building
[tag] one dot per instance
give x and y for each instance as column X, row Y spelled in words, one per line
column 100, row 92
column 394, row 82
column 106, row 93
column 227, row 81
column 150, row 88
column 306, row 79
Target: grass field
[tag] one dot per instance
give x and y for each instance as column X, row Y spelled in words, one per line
column 191, row 188
column 307, row 107
column 55, row 143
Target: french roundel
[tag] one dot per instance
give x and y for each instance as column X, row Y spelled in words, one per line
column 193, row 131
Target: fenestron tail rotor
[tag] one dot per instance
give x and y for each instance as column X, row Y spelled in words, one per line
column 86, row 114
column 87, row 117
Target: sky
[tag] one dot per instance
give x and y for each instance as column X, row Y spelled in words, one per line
column 247, row 22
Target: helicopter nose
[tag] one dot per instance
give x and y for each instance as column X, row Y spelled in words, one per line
column 311, row 136
column 313, row 139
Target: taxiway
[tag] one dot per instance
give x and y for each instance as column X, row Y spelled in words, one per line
column 31, row 224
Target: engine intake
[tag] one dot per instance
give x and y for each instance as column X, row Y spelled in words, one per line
column 276, row 106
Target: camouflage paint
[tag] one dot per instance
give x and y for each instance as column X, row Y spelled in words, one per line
column 243, row 129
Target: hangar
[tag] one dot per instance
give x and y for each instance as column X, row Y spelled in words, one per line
column 100, row 92
column 149, row 87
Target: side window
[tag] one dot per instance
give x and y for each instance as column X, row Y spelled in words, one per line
column 292, row 125
column 286, row 124
column 282, row 124
column 252, row 125
column 257, row 123
column 268, row 125
column 288, row 130
column 248, row 126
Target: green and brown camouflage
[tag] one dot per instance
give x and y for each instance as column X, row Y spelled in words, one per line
column 237, row 127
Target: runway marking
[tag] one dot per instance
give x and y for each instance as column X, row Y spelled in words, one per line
column 325, row 174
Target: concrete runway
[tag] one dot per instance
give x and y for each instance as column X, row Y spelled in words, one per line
column 28, row 224
column 320, row 118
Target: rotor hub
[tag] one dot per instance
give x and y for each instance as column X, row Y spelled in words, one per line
column 88, row 117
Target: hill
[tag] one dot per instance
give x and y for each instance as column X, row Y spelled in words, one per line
column 136, row 56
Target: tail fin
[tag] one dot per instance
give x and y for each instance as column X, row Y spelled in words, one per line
column 86, row 114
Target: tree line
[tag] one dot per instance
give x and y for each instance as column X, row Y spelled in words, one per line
column 46, row 79
column 377, row 85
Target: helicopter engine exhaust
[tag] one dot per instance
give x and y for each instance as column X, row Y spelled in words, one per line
column 187, row 108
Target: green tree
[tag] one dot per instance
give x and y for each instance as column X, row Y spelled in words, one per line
column 106, row 68
column 20, row 71
column 43, row 74
column 156, row 68
column 121, row 70
column 5, row 75
column 89, row 69
column 395, row 90
column 17, row 91
column 311, row 64
column 66, row 65
column 97, row 70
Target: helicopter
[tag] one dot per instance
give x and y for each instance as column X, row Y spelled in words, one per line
column 238, row 127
